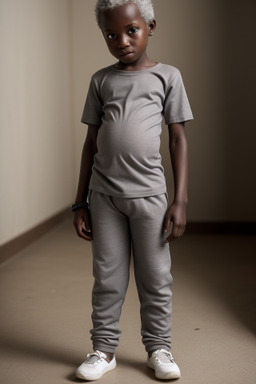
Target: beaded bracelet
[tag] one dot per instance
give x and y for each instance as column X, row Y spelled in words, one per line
column 82, row 204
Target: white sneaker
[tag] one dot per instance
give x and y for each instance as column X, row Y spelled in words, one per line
column 95, row 366
column 163, row 364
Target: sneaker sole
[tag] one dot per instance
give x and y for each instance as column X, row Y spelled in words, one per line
column 83, row 376
column 167, row 376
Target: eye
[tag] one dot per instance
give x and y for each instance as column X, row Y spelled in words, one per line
column 133, row 30
column 111, row 36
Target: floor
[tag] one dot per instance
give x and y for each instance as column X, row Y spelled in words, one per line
column 45, row 312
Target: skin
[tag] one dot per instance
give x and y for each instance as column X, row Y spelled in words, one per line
column 126, row 34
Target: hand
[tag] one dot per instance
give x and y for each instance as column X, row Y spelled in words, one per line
column 82, row 223
column 175, row 215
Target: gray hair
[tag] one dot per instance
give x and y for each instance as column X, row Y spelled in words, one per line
column 145, row 7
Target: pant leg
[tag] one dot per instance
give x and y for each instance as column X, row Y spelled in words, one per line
column 152, row 263
column 111, row 247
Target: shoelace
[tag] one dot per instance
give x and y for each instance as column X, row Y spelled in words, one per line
column 93, row 358
column 164, row 356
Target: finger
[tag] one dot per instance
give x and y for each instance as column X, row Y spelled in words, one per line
column 170, row 238
column 174, row 232
column 167, row 224
column 87, row 233
column 87, row 228
column 84, row 233
column 177, row 232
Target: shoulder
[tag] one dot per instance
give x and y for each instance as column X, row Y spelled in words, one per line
column 101, row 73
column 168, row 71
column 169, row 76
column 99, row 78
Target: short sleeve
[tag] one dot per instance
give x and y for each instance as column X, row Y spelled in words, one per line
column 92, row 112
column 176, row 106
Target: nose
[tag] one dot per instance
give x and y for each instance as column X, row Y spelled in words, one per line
column 123, row 41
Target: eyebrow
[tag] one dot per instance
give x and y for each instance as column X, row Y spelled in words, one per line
column 126, row 26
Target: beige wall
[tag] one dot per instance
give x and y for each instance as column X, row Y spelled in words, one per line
column 89, row 54
column 211, row 42
column 52, row 47
column 36, row 139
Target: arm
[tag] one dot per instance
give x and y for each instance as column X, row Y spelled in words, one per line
column 82, row 215
column 176, row 213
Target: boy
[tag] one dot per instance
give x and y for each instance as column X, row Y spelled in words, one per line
column 122, row 177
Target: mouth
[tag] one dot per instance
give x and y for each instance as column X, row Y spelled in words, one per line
column 125, row 54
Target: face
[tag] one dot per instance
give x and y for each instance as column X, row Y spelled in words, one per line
column 126, row 34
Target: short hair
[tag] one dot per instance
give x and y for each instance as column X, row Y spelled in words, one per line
column 145, row 7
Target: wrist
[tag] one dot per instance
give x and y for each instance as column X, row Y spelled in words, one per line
column 183, row 202
column 78, row 205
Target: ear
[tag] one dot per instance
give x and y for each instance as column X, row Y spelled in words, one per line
column 151, row 27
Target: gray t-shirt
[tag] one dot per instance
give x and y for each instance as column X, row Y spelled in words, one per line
column 129, row 106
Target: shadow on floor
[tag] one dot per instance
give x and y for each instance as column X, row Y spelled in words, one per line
column 224, row 267
column 36, row 351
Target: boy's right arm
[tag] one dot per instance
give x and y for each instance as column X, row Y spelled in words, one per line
column 81, row 220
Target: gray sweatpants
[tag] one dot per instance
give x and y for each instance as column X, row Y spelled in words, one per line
column 120, row 226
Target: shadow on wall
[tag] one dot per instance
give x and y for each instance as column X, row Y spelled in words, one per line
column 238, row 85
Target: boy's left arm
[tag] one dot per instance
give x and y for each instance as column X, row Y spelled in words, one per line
column 176, row 213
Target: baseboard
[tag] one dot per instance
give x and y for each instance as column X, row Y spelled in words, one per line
column 225, row 228
column 19, row 243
